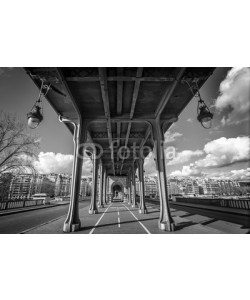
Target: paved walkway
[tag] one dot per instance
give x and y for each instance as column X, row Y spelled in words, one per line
column 121, row 218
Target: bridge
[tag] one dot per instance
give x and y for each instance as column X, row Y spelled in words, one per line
column 117, row 116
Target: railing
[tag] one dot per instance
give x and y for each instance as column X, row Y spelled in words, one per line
column 231, row 203
column 19, row 203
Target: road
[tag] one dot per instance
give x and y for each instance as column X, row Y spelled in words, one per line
column 19, row 222
column 121, row 218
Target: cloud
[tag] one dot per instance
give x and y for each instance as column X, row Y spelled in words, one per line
column 223, row 151
column 185, row 156
column 50, row 162
column 190, row 120
column 242, row 174
column 190, row 170
column 219, row 153
column 234, row 99
column 171, row 137
column 149, row 164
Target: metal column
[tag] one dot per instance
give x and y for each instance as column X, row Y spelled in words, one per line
column 142, row 207
column 165, row 221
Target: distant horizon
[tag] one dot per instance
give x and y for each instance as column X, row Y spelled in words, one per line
column 148, row 175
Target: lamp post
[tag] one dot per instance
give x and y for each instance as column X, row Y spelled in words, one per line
column 35, row 116
column 204, row 115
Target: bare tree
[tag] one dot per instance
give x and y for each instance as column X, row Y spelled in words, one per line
column 17, row 147
column 5, row 180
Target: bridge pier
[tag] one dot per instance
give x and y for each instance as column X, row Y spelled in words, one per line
column 165, row 220
column 142, row 206
column 129, row 187
column 93, row 205
column 72, row 222
column 133, row 187
column 105, row 188
column 101, row 186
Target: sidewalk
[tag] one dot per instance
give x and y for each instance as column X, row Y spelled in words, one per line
column 30, row 208
column 238, row 211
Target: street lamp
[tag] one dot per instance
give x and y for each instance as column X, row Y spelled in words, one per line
column 35, row 116
column 204, row 115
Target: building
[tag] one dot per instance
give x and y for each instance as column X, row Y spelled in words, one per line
column 86, row 184
column 151, row 188
column 22, row 186
column 62, row 185
column 45, row 184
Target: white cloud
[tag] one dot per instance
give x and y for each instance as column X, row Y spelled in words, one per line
column 190, row 120
column 241, row 174
column 234, row 99
column 50, row 162
column 225, row 151
column 219, row 153
column 171, row 137
column 149, row 164
column 190, row 170
column 185, row 156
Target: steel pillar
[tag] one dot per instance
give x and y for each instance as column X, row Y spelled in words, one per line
column 105, row 188
column 142, row 206
column 101, row 187
column 72, row 221
column 165, row 220
column 133, row 187
column 93, row 205
column 129, row 187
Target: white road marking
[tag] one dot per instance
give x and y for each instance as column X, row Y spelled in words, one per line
column 119, row 225
column 92, row 230
column 144, row 227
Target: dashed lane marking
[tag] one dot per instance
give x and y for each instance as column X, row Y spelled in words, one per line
column 92, row 230
column 119, row 224
column 144, row 227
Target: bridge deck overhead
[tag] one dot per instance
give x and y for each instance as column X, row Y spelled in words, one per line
column 117, row 103
column 122, row 115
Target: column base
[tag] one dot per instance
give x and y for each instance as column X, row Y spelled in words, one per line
column 93, row 211
column 100, row 205
column 166, row 226
column 134, row 205
column 67, row 227
column 143, row 211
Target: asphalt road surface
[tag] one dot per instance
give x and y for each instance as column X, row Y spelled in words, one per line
column 19, row 222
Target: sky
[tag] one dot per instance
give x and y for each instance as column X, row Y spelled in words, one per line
column 220, row 152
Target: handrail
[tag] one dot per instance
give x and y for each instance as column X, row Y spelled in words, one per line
column 11, row 204
column 231, row 203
